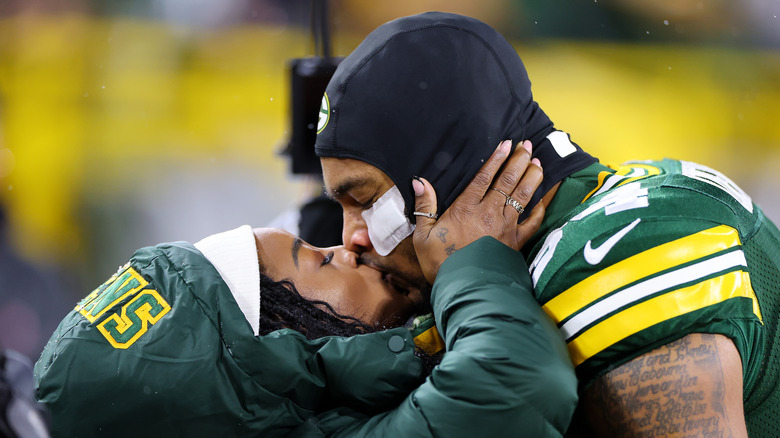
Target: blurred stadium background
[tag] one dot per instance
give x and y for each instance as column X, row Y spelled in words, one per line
column 126, row 123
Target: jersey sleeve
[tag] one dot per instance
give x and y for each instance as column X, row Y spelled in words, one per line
column 506, row 371
column 645, row 263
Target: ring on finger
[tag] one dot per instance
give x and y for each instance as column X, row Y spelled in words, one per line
column 500, row 191
column 516, row 205
column 511, row 201
column 433, row 216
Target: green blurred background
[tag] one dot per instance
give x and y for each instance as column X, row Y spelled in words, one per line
column 126, row 123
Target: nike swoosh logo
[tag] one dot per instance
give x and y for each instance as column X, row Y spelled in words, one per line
column 594, row 256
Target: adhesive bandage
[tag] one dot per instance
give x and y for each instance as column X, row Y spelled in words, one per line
column 386, row 222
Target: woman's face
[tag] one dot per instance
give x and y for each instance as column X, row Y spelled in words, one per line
column 336, row 276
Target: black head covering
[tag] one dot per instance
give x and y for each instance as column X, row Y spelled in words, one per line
column 432, row 95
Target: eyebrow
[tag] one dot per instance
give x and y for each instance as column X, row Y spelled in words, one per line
column 345, row 186
column 296, row 246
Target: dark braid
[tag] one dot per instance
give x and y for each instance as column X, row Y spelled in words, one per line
column 283, row 307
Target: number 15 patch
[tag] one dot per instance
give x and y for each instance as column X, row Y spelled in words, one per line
column 128, row 323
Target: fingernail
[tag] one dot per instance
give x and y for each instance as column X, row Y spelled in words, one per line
column 527, row 146
column 417, row 186
column 537, row 162
column 505, row 146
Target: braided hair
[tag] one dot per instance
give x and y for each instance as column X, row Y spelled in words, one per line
column 284, row 307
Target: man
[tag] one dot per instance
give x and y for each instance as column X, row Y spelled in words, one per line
column 661, row 276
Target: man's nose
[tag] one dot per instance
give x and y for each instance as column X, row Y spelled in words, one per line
column 355, row 234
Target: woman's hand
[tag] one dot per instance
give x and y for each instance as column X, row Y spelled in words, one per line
column 489, row 206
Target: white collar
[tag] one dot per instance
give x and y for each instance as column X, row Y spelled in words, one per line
column 234, row 254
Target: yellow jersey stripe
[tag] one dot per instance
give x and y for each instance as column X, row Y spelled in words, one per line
column 659, row 309
column 652, row 286
column 634, row 268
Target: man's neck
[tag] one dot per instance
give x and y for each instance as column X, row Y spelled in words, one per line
column 547, row 199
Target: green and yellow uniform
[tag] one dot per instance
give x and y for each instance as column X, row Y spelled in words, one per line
column 633, row 258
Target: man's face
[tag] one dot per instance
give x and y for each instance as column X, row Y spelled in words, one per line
column 356, row 185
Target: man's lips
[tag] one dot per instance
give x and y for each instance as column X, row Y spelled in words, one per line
column 398, row 282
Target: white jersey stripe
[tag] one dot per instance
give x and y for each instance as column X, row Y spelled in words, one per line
column 649, row 287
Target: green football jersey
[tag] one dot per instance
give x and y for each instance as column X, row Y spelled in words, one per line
column 654, row 251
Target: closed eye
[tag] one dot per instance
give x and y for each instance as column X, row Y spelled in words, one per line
column 328, row 258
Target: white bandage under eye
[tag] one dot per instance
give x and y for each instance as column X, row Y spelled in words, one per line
column 386, row 222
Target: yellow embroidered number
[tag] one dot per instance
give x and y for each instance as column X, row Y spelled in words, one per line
column 132, row 320
column 116, row 289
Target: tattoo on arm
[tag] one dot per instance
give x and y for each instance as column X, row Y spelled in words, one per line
column 450, row 249
column 442, row 234
column 675, row 390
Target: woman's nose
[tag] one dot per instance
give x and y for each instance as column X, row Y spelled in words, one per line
column 347, row 257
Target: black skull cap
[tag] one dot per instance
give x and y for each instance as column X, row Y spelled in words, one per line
column 433, row 95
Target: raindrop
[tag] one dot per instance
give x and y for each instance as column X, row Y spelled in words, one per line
column 423, row 85
column 666, row 22
column 272, row 99
column 647, row 32
column 10, row 187
column 86, row 94
column 103, row 87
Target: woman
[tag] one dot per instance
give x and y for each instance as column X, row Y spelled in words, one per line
column 212, row 339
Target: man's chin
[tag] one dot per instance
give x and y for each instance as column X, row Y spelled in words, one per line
column 405, row 277
column 421, row 297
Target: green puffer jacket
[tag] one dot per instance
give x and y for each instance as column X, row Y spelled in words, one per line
column 162, row 349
